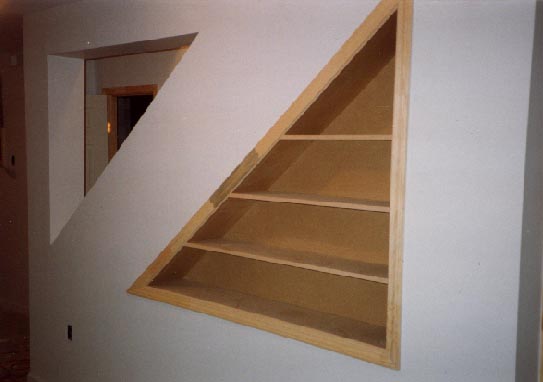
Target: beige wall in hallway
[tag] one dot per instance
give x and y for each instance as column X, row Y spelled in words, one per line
column 13, row 194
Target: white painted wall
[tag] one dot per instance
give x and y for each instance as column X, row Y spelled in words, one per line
column 465, row 176
column 471, row 74
column 66, row 135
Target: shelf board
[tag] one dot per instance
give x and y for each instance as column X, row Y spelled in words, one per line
column 300, row 259
column 336, row 137
column 267, row 309
column 315, row 200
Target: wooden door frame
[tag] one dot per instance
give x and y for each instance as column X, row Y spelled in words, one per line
column 112, row 94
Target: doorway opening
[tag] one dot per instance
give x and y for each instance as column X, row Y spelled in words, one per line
column 129, row 111
column 85, row 73
column 125, row 106
column 118, row 91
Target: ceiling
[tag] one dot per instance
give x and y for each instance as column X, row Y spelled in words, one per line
column 28, row 6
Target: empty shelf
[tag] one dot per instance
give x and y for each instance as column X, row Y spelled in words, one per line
column 306, row 260
column 325, row 322
column 315, row 200
column 336, row 137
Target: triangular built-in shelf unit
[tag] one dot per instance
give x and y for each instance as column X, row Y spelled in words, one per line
column 304, row 238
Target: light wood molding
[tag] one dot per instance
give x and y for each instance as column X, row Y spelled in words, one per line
column 315, row 200
column 123, row 91
column 397, row 186
column 343, row 137
column 306, row 260
column 304, row 239
column 112, row 126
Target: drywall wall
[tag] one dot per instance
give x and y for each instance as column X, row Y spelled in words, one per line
column 468, row 118
column 529, row 316
column 135, row 69
column 66, row 157
column 13, row 205
column 465, row 176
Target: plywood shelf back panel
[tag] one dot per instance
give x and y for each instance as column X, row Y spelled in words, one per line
column 306, row 260
column 269, row 313
column 307, row 289
column 341, row 233
column 304, row 238
column 360, row 99
column 342, row 169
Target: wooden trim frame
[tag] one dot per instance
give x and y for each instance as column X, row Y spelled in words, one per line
column 397, row 180
column 111, row 126
column 131, row 90
column 389, row 356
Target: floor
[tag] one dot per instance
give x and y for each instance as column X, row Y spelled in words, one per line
column 14, row 347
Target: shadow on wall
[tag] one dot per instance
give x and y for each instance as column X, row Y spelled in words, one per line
column 529, row 310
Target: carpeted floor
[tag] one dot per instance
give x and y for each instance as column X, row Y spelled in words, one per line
column 14, row 348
